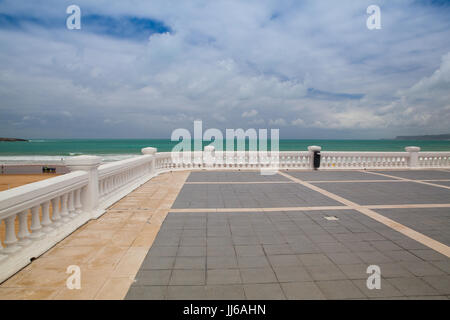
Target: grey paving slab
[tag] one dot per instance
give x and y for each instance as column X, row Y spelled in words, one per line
column 441, row 183
column 387, row 290
column 340, row 289
column 225, row 292
column 418, row 174
column 279, row 255
column 187, row 277
column 292, row 274
column 258, row 275
column 186, row 292
column 146, row 293
column 413, row 286
column 302, row 291
column 373, row 193
column 440, row 283
column 153, row 277
column 284, row 261
column 433, row 222
column 249, row 196
column 271, row 291
column 335, row 175
column 232, row 176
column 223, row 276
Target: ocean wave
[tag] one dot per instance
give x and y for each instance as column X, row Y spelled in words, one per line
column 57, row 160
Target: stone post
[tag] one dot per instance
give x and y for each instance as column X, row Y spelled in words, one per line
column 89, row 196
column 208, row 156
column 311, row 150
column 151, row 151
column 413, row 157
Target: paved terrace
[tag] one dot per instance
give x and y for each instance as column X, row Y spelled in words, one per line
column 241, row 235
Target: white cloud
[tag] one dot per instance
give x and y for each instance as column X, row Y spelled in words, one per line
column 250, row 114
column 277, row 122
column 223, row 59
column 298, row 122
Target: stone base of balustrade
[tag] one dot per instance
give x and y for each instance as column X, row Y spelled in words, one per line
column 13, row 263
column 121, row 193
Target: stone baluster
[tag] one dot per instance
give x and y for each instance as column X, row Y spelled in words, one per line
column 46, row 221
column 78, row 205
column 24, row 233
column 64, row 207
column 71, row 204
column 10, row 242
column 36, row 228
column 56, row 215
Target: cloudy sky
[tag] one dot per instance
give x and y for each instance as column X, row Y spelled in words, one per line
column 139, row 69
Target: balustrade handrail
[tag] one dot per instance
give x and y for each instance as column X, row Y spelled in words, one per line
column 23, row 197
column 119, row 166
column 434, row 153
column 366, row 153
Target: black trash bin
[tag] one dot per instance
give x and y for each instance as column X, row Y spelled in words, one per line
column 316, row 160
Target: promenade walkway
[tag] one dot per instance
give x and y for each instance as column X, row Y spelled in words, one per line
column 242, row 235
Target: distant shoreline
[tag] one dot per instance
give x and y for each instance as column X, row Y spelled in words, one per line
column 13, row 140
column 437, row 137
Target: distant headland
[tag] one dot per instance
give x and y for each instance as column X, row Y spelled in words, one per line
column 12, row 139
column 426, row 137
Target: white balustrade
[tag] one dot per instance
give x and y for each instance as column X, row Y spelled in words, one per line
column 40, row 201
column 434, row 160
column 59, row 205
column 363, row 160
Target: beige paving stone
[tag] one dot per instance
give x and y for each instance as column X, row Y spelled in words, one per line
column 114, row 289
column 130, row 262
column 84, row 293
column 27, row 293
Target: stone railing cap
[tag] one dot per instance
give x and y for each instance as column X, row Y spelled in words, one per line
column 149, row 150
column 83, row 161
column 412, row 149
column 314, row 148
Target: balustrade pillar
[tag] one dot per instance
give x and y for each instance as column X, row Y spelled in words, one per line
column 413, row 157
column 151, row 151
column 208, row 156
column 90, row 195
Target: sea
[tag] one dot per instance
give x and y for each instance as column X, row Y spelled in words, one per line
column 53, row 150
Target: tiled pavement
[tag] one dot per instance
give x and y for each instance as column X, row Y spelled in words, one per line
column 240, row 235
column 297, row 254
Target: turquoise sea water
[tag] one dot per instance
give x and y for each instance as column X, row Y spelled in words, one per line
column 55, row 147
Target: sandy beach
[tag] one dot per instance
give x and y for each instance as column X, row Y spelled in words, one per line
column 9, row 181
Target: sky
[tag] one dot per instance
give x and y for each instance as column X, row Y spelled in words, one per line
column 140, row 69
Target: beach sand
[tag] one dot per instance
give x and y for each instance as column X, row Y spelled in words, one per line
column 8, row 181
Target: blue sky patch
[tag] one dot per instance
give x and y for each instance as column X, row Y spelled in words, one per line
column 124, row 27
